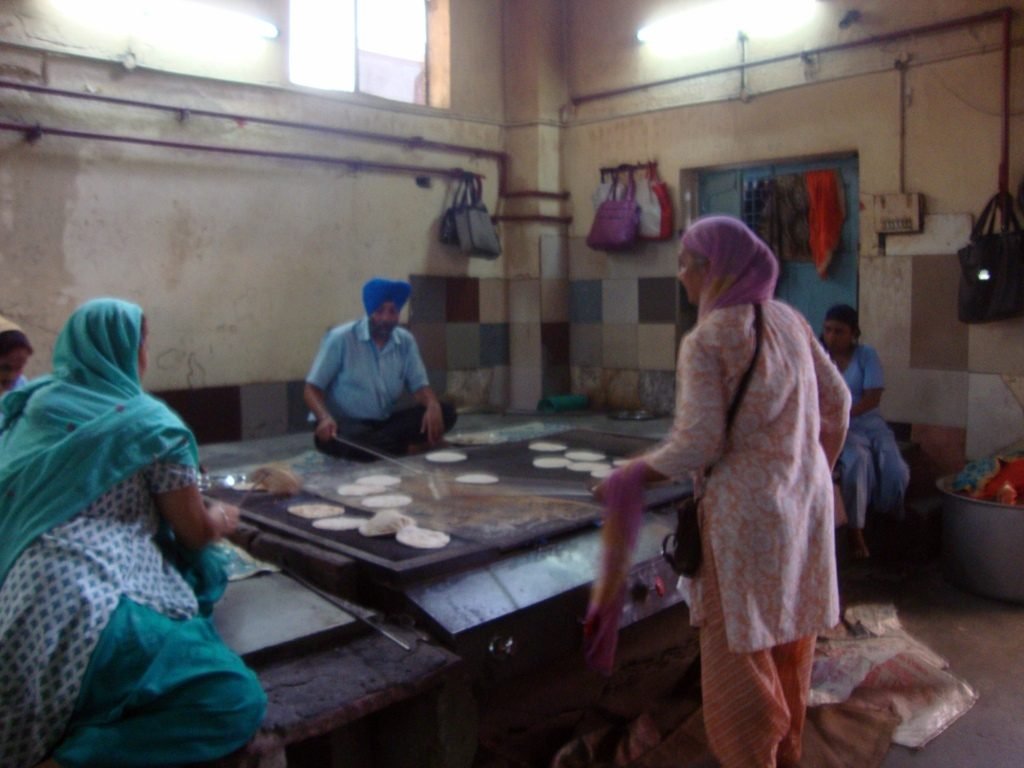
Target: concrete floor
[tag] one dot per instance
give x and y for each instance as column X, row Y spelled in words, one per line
column 982, row 639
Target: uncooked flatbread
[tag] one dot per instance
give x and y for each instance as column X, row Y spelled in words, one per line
column 551, row 462
column 421, row 538
column 380, row 481
column 588, row 466
column 584, row 455
column 478, row 478
column 384, row 523
column 547, row 447
column 445, row 457
column 345, row 523
column 244, row 485
column 602, row 473
column 387, row 500
column 620, row 462
column 358, row 489
column 316, row 511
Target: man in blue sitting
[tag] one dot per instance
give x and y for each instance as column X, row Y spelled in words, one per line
column 361, row 370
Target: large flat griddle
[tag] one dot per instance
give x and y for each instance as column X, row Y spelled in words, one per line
column 528, row 505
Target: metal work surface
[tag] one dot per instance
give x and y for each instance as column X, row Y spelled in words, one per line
column 269, row 614
column 528, row 505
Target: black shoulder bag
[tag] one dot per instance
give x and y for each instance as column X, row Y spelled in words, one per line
column 681, row 549
column 992, row 267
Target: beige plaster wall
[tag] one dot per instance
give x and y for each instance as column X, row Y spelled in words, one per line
column 241, row 263
column 835, row 103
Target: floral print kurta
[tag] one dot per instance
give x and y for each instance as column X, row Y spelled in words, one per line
column 767, row 510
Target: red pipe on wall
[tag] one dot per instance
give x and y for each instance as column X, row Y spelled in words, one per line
column 183, row 113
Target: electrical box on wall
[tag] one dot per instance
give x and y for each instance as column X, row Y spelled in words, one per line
column 898, row 213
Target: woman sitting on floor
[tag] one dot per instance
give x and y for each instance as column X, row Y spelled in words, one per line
column 872, row 471
column 107, row 656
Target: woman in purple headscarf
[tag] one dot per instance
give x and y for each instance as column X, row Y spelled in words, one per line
column 767, row 583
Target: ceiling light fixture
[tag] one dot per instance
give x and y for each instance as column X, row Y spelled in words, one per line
column 717, row 24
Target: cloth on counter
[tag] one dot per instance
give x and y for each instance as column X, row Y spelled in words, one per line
column 624, row 506
column 826, row 212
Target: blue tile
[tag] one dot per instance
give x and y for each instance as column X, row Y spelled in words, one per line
column 585, row 301
column 493, row 344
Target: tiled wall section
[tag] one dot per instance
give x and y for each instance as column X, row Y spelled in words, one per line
column 462, row 328
column 623, row 338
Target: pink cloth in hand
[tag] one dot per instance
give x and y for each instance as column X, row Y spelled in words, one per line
column 624, row 506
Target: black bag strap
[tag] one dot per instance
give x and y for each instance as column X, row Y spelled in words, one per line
column 741, row 390
column 1001, row 202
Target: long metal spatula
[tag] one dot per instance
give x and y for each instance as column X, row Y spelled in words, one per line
column 356, row 611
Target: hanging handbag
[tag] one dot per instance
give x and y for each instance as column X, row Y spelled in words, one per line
column 992, row 267
column 655, row 206
column 477, row 235
column 616, row 221
column 682, row 549
column 448, row 232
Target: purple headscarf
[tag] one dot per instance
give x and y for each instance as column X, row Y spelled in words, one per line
column 741, row 268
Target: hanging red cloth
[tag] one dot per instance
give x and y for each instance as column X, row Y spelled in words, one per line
column 825, row 215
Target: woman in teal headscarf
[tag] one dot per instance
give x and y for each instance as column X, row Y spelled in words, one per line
column 107, row 654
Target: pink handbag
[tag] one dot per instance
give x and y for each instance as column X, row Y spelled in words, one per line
column 616, row 221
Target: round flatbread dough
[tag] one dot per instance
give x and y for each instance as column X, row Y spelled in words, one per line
column 588, row 466
column 315, row 511
column 379, row 481
column 345, row 523
column 421, row 538
column 551, row 462
column 620, row 462
column 477, row 478
column 602, row 473
column 445, row 457
column 384, row 523
column 584, row 455
column 546, row 447
column 387, row 500
column 358, row 489
column 243, row 485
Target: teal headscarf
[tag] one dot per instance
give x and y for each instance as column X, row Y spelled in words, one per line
column 69, row 437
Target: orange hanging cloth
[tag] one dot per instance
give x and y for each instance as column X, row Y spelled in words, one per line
column 825, row 215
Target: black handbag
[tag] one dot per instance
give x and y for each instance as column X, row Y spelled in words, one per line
column 992, row 267
column 448, row 232
column 681, row 549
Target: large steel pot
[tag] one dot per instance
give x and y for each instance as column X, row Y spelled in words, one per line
column 982, row 545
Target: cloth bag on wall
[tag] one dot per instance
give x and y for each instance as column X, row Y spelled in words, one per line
column 992, row 267
column 476, row 232
column 616, row 221
column 655, row 206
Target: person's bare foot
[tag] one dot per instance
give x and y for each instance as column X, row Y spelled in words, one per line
column 858, row 547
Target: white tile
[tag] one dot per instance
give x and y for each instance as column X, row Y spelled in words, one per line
column 524, row 301
column 943, row 234
column 554, row 256
column 994, row 416
column 524, row 345
column 885, row 302
column 525, row 388
column 584, row 263
column 925, row 396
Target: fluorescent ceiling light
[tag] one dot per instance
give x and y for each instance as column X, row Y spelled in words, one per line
column 184, row 18
column 717, row 24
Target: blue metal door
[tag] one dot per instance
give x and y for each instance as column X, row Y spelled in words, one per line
column 799, row 283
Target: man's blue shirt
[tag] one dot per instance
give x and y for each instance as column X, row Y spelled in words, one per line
column 361, row 380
